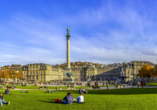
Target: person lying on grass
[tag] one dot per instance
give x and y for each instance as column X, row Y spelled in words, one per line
column 7, row 91
column 68, row 99
column 47, row 91
column 80, row 99
column 2, row 100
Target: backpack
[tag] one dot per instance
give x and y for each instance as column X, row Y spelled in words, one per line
column 58, row 100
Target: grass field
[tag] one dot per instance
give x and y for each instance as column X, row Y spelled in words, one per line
column 33, row 87
column 37, row 87
column 151, row 84
column 119, row 99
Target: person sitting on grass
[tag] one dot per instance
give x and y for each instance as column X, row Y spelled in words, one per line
column 68, row 99
column 2, row 100
column 80, row 91
column 83, row 90
column 7, row 91
column 80, row 99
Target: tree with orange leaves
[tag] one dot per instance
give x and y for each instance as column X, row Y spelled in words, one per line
column 154, row 72
column 0, row 74
column 146, row 71
column 7, row 73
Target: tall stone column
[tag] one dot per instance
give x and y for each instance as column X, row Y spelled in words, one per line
column 68, row 48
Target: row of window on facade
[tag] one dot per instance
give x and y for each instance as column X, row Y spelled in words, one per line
column 42, row 73
column 131, row 71
column 132, row 66
column 34, row 68
column 37, row 78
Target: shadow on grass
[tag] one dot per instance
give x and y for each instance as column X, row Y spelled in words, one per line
column 130, row 91
column 51, row 101
column 127, row 91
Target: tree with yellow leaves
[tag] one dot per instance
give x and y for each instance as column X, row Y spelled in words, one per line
column 146, row 71
column 6, row 73
column 154, row 71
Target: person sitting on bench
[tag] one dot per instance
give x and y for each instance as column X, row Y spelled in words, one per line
column 68, row 99
column 80, row 99
column 2, row 100
column 7, row 91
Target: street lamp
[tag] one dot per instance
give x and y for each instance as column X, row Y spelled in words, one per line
column 132, row 80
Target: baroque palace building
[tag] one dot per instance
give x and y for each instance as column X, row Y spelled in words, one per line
column 42, row 72
column 127, row 70
column 46, row 72
column 131, row 69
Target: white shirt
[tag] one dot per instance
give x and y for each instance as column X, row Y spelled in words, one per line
column 81, row 98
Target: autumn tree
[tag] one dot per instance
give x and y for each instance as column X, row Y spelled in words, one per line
column 16, row 73
column 0, row 74
column 154, row 71
column 146, row 71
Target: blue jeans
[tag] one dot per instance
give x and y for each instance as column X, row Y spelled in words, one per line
column 64, row 101
column 2, row 101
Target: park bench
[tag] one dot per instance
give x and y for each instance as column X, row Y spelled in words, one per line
column 71, row 87
column 95, row 87
column 9, row 87
column 1, row 86
column 43, row 87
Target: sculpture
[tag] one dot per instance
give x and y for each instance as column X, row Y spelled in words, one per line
column 68, row 31
column 71, row 73
column 64, row 74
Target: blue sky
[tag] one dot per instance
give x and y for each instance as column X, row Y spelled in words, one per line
column 104, row 31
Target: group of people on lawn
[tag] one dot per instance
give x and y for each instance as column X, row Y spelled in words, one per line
column 66, row 100
column 69, row 99
column 2, row 99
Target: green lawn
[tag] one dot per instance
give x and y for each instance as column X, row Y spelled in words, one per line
column 37, row 87
column 118, row 99
column 151, row 84
column 91, row 86
column 33, row 87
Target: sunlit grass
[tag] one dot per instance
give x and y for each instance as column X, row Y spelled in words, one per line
column 118, row 99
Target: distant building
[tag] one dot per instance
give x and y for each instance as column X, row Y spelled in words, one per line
column 42, row 72
column 110, row 72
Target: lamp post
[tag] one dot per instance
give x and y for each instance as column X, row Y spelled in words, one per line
column 132, row 81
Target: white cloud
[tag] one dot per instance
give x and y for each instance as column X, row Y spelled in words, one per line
column 126, row 38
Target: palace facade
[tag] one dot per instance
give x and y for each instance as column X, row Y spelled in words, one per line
column 42, row 72
column 46, row 72
column 127, row 70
